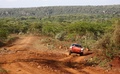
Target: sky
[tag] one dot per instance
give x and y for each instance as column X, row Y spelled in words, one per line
column 41, row 3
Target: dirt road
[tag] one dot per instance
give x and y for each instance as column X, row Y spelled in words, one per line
column 22, row 57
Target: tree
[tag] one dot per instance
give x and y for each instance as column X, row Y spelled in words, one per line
column 116, row 34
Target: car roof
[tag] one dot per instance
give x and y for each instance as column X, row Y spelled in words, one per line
column 76, row 44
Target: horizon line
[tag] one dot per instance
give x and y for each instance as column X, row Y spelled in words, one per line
column 55, row 6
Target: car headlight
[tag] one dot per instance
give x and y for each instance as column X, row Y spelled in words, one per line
column 82, row 49
column 70, row 47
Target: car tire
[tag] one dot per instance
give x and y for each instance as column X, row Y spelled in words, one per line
column 70, row 53
column 81, row 54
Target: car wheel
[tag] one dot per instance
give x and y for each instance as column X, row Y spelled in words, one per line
column 81, row 54
column 70, row 52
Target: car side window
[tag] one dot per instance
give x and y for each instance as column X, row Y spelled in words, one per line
column 78, row 45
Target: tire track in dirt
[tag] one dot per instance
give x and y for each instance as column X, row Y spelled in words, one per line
column 80, row 61
column 22, row 44
column 23, row 68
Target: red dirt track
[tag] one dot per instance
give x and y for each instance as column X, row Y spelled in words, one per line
column 24, row 56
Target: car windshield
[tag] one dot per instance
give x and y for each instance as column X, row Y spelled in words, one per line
column 77, row 45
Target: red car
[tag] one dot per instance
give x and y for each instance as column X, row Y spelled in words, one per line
column 76, row 48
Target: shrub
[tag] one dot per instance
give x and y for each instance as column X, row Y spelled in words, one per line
column 104, row 42
column 3, row 34
column 71, row 37
column 110, row 43
column 116, row 35
column 51, row 29
column 60, row 36
column 1, row 43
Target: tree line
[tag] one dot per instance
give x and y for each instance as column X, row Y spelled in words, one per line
column 113, row 10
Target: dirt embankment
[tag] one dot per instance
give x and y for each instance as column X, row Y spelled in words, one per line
column 23, row 57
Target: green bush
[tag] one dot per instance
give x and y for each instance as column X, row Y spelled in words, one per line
column 3, row 34
column 110, row 43
column 35, row 27
column 52, row 29
column 60, row 36
column 116, row 35
column 71, row 37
